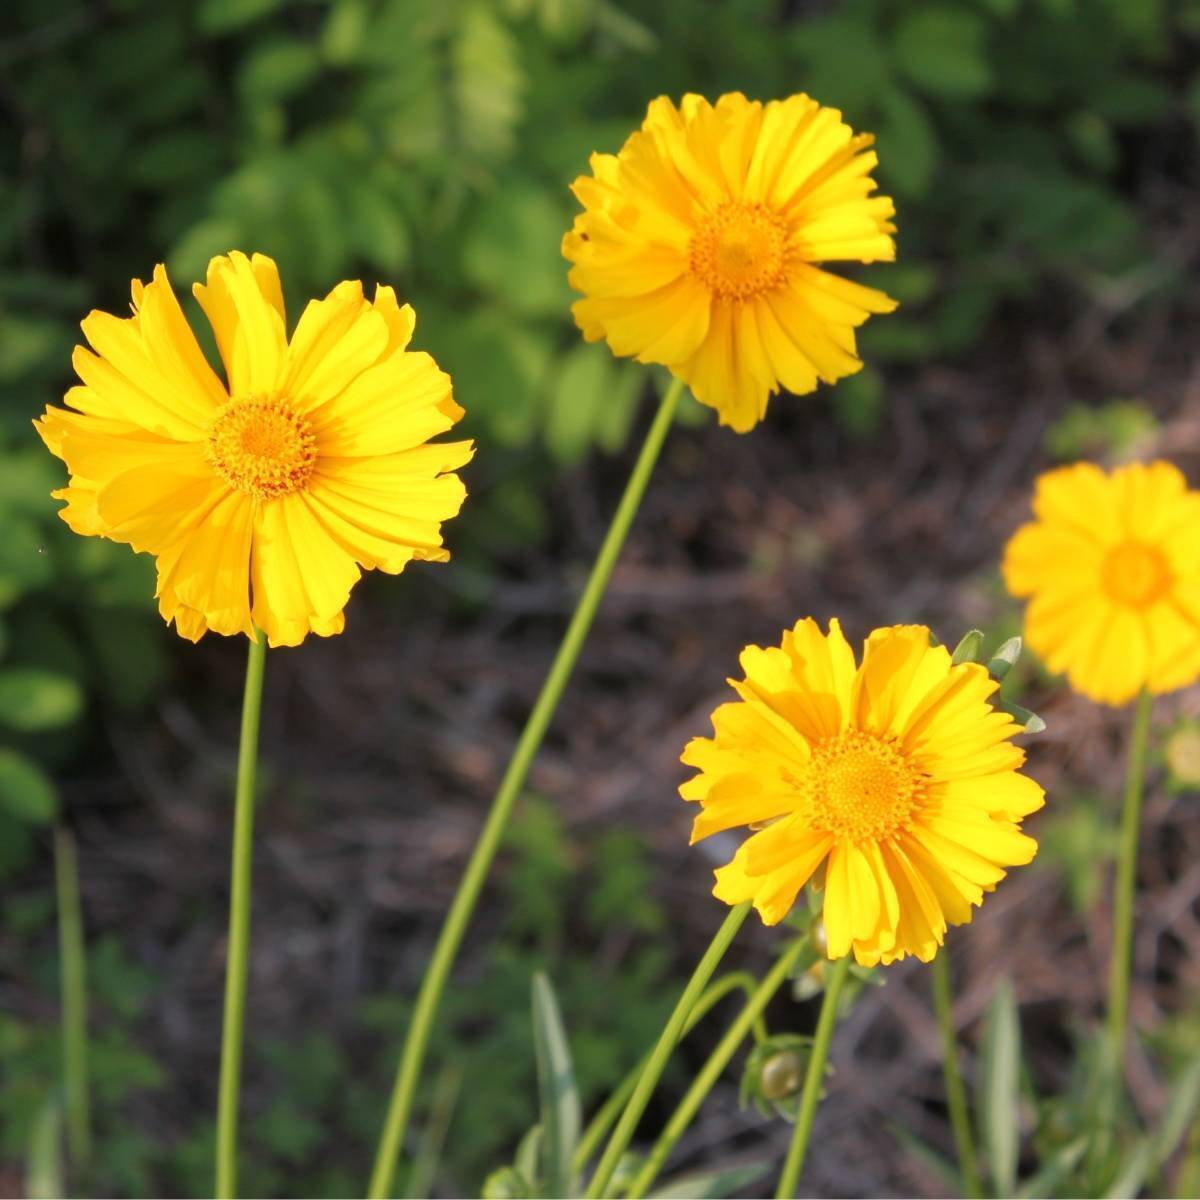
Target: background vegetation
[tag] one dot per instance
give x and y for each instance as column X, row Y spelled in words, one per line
column 1042, row 153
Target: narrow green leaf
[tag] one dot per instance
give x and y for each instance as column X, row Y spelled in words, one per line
column 1180, row 1114
column 1005, row 658
column 1132, row 1172
column 1047, row 1181
column 713, row 1185
column 43, row 1164
column 968, row 647
column 527, row 1161
column 556, row 1088
column 999, row 1089
column 941, row 1167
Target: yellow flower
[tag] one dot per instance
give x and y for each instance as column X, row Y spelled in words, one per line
column 896, row 779
column 262, row 500
column 697, row 244
column 1112, row 568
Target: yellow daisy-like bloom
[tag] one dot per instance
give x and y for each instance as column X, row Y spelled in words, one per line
column 1112, row 569
column 896, row 779
column 698, row 243
column 262, row 500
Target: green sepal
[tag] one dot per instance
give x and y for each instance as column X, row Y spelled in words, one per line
column 969, row 648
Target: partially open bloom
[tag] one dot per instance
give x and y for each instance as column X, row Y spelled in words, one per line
column 260, row 500
column 1111, row 566
column 698, row 244
column 894, row 780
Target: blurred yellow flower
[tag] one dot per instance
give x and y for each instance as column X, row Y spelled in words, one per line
column 895, row 780
column 697, row 244
column 260, row 501
column 1111, row 565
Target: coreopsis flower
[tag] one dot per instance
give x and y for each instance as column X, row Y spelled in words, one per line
column 262, row 497
column 894, row 784
column 1111, row 567
column 699, row 243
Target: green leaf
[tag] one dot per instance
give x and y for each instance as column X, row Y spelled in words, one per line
column 505, row 1183
column 43, row 1164
column 32, row 700
column 908, row 144
column 556, row 1086
column 345, row 32
column 592, row 402
column 511, row 250
column 968, row 648
column 1132, row 1170
column 278, row 70
column 527, row 1160
column 999, row 1088
column 24, row 563
column 941, row 1167
column 941, row 49
column 25, row 790
column 713, row 1185
column 1180, row 1114
column 1047, row 1181
column 221, row 16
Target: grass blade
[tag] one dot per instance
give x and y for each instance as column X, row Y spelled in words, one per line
column 999, row 1098
column 73, row 974
column 556, row 1088
column 712, row 1185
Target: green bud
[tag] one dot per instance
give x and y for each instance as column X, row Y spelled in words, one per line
column 782, row 1075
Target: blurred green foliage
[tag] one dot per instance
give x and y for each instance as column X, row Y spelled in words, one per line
column 429, row 144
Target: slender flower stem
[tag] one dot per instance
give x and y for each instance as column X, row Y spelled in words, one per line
column 814, row 1081
column 711, row 1071
column 956, row 1092
column 454, row 927
column 602, row 1122
column 237, row 962
column 74, row 998
column 667, row 1041
column 1122, row 944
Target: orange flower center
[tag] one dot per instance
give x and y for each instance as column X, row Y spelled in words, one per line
column 740, row 251
column 1135, row 574
column 262, row 447
column 861, row 788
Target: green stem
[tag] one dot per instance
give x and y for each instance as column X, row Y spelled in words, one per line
column 453, row 928
column 74, row 997
column 1187, row 1181
column 956, row 1092
column 814, row 1081
column 429, row 1153
column 237, row 961
column 1123, row 904
column 711, row 1071
column 667, row 1041
column 611, row 1109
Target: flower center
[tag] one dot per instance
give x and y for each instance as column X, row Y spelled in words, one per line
column 1135, row 574
column 861, row 788
column 262, row 448
column 740, row 251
